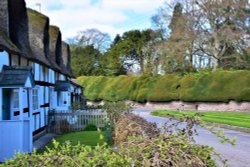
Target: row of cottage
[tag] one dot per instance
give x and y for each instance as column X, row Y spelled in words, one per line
column 35, row 76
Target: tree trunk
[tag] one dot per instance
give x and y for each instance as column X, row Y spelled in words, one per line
column 142, row 65
column 190, row 60
column 216, row 53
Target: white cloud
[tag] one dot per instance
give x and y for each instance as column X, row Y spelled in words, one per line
column 138, row 6
column 75, row 15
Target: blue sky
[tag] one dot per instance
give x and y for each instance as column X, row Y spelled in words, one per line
column 110, row 16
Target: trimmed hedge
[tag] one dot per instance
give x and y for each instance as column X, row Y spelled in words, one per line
column 217, row 86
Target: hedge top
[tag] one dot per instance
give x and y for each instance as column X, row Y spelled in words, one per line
column 217, row 86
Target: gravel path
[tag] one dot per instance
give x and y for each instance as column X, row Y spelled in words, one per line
column 237, row 156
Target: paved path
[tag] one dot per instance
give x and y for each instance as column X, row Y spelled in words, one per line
column 237, row 156
column 43, row 141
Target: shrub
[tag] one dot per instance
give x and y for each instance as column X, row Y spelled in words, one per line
column 93, row 87
column 143, row 145
column 71, row 156
column 218, row 86
column 115, row 89
column 139, row 143
column 114, row 111
column 147, row 146
column 136, row 86
column 185, row 91
column 108, row 133
column 208, row 86
column 90, row 127
column 165, row 89
column 64, row 126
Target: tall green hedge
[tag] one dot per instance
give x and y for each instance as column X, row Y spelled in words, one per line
column 217, row 86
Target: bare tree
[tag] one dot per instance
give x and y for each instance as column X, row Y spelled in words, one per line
column 179, row 44
column 98, row 39
column 209, row 33
column 224, row 24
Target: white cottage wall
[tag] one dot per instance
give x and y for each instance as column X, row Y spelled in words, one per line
column 24, row 62
column 41, row 71
column 14, row 60
column 4, row 56
column 36, row 71
column 1, row 104
column 51, row 76
column 47, row 95
column 62, row 77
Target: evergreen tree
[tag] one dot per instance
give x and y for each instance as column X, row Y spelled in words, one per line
column 177, row 13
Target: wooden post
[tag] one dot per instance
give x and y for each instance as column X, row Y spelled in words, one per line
column 31, row 122
column 20, row 95
column 20, row 98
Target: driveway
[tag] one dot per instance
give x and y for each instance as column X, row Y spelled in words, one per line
column 237, row 156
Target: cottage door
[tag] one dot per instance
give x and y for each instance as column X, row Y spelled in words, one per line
column 6, row 104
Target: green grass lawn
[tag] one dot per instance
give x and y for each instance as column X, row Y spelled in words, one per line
column 90, row 138
column 230, row 118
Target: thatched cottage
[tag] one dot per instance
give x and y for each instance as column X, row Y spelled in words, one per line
column 35, row 76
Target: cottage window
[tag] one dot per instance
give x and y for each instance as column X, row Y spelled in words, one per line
column 61, row 99
column 35, row 98
column 15, row 98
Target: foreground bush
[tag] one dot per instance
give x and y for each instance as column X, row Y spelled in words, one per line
column 217, row 86
column 142, row 146
column 136, row 152
column 138, row 143
column 144, row 143
column 72, row 156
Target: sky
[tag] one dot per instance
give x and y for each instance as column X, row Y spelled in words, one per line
column 109, row 16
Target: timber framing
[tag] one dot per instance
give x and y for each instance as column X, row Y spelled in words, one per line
column 35, row 76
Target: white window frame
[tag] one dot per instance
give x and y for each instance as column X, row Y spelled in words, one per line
column 35, row 99
column 16, row 99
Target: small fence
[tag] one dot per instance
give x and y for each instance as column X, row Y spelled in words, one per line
column 71, row 121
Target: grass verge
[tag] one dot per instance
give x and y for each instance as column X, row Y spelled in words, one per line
column 229, row 118
column 89, row 138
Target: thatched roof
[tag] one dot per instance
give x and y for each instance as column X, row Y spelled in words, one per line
column 38, row 36
column 27, row 33
column 18, row 27
column 4, row 16
column 6, row 44
column 66, row 57
column 56, row 48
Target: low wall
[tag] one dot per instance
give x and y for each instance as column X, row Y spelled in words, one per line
column 199, row 106
column 14, row 137
column 231, row 106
